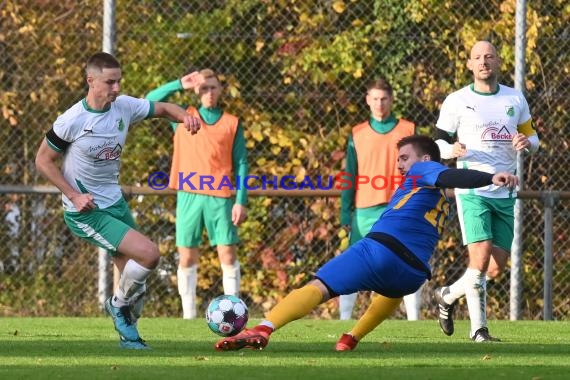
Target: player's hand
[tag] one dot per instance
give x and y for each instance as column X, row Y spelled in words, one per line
column 83, row 202
column 239, row 214
column 458, row 150
column 520, row 142
column 192, row 80
column 191, row 123
column 505, row 179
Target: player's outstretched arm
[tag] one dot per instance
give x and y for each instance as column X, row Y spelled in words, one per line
column 174, row 112
column 472, row 179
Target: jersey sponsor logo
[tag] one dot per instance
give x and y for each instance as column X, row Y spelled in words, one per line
column 471, row 108
column 510, row 111
column 488, row 125
column 120, row 125
column 109, row 153
column 494, row 134
column 105, row 144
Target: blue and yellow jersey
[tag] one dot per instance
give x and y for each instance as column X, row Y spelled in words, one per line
column 418, row 210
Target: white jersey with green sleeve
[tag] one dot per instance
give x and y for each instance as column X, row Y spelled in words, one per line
column 94, row 141
column 486, row 124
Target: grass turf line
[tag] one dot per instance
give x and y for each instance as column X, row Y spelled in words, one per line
column 87, row 348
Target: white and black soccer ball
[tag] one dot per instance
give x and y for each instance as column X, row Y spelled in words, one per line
column 227, row 315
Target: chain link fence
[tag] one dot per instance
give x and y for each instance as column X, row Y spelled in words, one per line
column 295, row 72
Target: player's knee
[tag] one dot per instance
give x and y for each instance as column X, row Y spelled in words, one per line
column 151, row 255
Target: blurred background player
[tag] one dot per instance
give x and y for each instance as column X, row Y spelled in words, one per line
column 392, row 259
column 491, row 123
column 12, row 262
column 89, row 138
column 217, row 151
column 371, row 151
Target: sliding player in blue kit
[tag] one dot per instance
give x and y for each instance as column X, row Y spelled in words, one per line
column 392, row 260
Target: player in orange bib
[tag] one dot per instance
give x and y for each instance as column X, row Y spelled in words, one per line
column 204, row 171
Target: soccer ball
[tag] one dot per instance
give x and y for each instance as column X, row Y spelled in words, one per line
column 227, row 315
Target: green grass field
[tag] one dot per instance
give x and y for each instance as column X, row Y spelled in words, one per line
column 87, row 348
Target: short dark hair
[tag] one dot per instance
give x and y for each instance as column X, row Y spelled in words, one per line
column 209, row 73
column 380, row 84
column 422, row 145
column 100, row 61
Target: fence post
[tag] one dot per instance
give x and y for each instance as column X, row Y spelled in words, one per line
column 109, row 37
column 517, row 265
column 109, row 26
column 516, row 248
column 549, row 199
column 103, row 279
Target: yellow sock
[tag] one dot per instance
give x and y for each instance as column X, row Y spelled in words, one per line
column 380, row 308
column 296, row 305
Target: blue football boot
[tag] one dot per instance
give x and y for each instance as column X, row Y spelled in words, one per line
column 122, row 319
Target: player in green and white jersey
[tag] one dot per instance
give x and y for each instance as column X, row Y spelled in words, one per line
column 90, row 137
column 483, row 125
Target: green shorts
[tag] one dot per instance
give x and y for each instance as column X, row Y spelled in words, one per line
column 194, row 211
column 362, row 221
column 105, row 228
column 483, row 218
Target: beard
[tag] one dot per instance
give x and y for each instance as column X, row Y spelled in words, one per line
column 487, row 76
